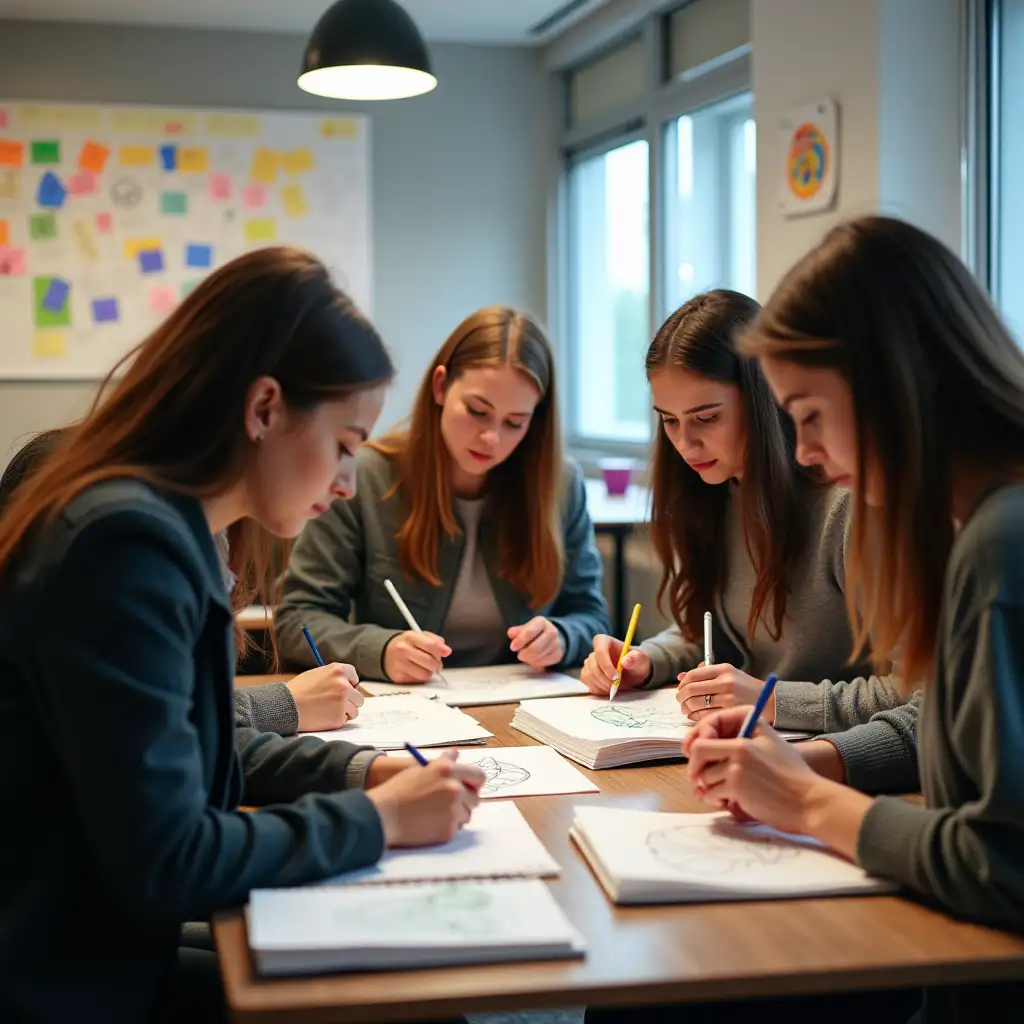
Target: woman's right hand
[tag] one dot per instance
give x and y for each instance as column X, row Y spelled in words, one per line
column 414, row 657
column 424, row 806
column 599, row 668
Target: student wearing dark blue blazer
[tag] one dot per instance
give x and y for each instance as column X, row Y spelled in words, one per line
column 242, row 411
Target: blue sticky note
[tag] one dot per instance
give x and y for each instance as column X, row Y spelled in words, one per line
column 105, row 311
column 51, row 192
column 198, row 255
column 151, row 261
column 56, row 295
column 169, row 158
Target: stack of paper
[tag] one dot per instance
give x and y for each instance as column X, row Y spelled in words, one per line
column 651, row 857
column 388, row 723
column 303, row 931
column 493, row 684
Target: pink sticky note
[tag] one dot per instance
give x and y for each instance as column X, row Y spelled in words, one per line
column 83, row 183
column 3, row 118
column 12, row 262
column 220, row 186
column 104, row 223
column 254, row 195
column 162, row 298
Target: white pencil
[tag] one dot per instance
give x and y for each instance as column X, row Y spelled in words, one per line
column 709, row 651
column 407, row 615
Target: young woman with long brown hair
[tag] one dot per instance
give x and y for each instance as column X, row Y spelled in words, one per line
column 120, row 776
column 473, row 514
column 743, row 531
column 905, row 384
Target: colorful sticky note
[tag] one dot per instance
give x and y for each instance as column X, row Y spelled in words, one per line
column 265, row 163
column 12, row 154
column 104, row 223
column 42, row 225
column 293, row 199
column 339, row 128
column 13, row 262
column 174, row 203
column 199, row 256
column 262, row 230
column 93, row 157
column 254, row 196
column 162, row 298
column 233, row 126
column 52, row 308
column 105, row 311
column 10, row 185
column 151, row 261
column 5, row 233
column 3, row 118
column 220, row 186
column 51, row 191
column 298, row 161
column 47, row 152
column 84, row 183
column 49, row 345
column 136, row 156
column 188, row 287
column 169, row 157
column 193, row 160
column 133, row 246
column 85, row 241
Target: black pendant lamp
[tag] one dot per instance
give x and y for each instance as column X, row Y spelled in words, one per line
column 366, row 50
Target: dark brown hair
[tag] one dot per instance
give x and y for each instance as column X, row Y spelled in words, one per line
column 936, row 379
column 688, row 516
column 527, row 485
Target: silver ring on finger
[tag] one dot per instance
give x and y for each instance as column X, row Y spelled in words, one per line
column 707, row 700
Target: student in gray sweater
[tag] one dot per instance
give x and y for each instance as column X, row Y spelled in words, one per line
column 473, row 516
column 742, row 531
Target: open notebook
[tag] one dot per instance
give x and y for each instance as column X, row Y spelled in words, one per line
column 492, row 684
column 641, row 726
column 652, row 857
column 309, row 930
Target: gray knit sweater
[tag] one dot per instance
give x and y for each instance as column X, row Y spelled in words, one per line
column 865, row 716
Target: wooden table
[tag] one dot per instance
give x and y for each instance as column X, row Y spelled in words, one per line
column 644, row 955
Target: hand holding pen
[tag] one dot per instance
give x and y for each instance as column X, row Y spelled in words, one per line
column 414, row 656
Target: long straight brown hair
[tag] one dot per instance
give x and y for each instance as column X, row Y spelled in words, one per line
column 688, row 516
column 175, row 418
column 937, row 381
column 525, row 489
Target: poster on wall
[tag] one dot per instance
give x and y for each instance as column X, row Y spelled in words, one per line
column 811, row 158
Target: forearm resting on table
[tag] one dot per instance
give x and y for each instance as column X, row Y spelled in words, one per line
column 824, row 758
column 833, row 814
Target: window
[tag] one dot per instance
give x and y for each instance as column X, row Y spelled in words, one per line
column 611, row 294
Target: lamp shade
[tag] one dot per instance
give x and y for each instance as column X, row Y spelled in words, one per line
column 366, row 50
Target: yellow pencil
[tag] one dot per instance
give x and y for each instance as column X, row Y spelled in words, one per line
column 625, row 650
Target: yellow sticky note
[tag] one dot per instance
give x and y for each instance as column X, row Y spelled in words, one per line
column 85, row 240
column 136, row 156
column 192, row 160
column 42, row 118
column 150, row 121
column 264, row 229
column 297, row 161
column 233, row 126
column 339, row 128
column 265, row 164
column 49, row 345
column 133, row 246
column 293, row 199
column 10, row 184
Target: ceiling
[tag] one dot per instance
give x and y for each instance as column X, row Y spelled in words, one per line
column 469, row 21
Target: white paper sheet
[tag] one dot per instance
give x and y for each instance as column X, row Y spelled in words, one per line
column 491, row 684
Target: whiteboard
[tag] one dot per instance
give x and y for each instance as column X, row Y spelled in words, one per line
column 110, row 215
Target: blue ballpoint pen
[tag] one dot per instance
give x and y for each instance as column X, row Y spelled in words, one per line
column 312, row 646
column 750, row 723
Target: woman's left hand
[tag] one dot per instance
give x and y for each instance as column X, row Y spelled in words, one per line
column 538, row 643
column 727, row 687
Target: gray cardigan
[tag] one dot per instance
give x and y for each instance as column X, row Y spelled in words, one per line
column 865, row 716
column 965, row 848
column 339, row 564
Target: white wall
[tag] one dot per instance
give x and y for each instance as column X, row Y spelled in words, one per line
column 459, row 177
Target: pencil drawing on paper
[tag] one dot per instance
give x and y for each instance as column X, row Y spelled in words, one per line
column 501, row 775
column 718, row 850
column 458, row 909
column 385, row 717
column 625, row 717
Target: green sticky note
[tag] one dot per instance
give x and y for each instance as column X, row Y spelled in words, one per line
column 45, row 314
column 47, row 152
column 187, row 288
column 174, row 203
column 42, row 225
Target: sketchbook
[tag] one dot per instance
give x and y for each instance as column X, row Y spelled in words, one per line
column 491, row 684
column 523, row 771
column 389, row 723
column 497, row 843
column 653, row 857
column 645, row 725
column 310, row 930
